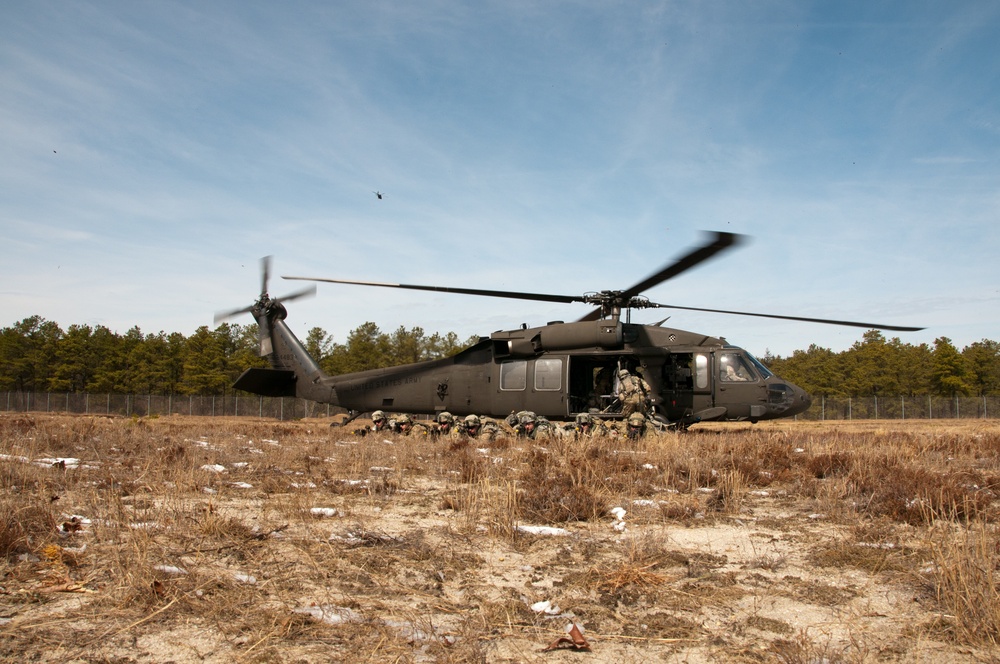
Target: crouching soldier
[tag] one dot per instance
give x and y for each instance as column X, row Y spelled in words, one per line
column 637, row 426
column 525, row 425
column 473, row 426
column 405, row 426
column 470, row 427
column 380, row 422
column 585, row 425
column 444, row 425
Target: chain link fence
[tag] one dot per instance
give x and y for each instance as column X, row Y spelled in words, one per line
column 291, row 408
column 128, row 405
column 902, row 408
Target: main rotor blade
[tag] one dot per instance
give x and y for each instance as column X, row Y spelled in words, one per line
column 226, row 315
column 514, row 295
column 265, row 273
column 309, row 291
column 719, row 242
column 849, row 323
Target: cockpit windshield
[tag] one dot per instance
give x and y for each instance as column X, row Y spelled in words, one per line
column 764, row 371
column 744, row 357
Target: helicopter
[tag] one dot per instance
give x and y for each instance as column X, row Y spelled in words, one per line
column 556, row 370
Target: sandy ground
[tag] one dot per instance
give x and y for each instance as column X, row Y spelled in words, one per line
column 310, row 545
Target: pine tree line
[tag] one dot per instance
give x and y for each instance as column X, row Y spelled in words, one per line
column 36, row 355
column 875, row 366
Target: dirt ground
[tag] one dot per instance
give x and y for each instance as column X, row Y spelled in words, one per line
column 208, row 540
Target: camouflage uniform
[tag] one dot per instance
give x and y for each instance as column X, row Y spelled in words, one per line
column 632, row 392
column 473, row 426
column 444, row 425
column 586, row 425
column 544, row 428
column 636, row 426
column 380, row 422
column 524, row 424
column 470, row 427
column 404, row 425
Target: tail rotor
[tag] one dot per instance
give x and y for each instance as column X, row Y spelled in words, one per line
column 266, row 308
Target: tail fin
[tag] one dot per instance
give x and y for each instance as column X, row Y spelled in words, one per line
column 294, row 372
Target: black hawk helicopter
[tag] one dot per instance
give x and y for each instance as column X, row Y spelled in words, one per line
column 557, row 370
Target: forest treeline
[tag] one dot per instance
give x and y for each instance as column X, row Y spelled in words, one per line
column 36, row 355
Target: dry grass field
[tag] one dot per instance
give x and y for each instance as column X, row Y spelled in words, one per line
column 207, row 540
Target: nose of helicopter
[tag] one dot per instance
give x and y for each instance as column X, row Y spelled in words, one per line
column 800, row 401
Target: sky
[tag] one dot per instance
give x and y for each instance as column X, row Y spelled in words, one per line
column 151, row 153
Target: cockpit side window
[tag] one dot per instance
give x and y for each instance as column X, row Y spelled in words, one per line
column 701, row 371
column 733, row 368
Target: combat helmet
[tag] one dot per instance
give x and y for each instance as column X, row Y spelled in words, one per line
column 636, row 420
column 378, row 416
column 472, row 421
column 444, row 417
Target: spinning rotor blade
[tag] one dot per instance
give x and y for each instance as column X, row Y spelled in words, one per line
column 540, row 297
column 718, row 241
column 265, row 273
column 221, row 316
column 828, row 321
column 308, row 291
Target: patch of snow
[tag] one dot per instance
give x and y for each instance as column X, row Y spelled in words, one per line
column 324, row 511
column 170, row 569
column 543, row 530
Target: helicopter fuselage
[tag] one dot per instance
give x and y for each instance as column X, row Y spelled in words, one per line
column 557, row 371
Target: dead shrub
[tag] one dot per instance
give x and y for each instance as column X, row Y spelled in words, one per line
column 25, row 525
column 836, row 464
column 966, row 580
column 917, row 495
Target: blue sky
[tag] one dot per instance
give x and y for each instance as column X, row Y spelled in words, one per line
column 153, row 152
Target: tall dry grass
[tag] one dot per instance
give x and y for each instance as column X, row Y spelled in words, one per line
column 290, row 523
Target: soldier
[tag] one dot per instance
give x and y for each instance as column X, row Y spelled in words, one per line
column 524, row 424
column 469, row 427
column 404, row 425
column 585, row 424
column 544, row 428
column 444, row 424
column 380, row 422
column 636, row 427
column 633, row 391
column 603, row 388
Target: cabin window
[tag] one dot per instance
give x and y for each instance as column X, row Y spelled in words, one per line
column 514, row 375
column 701, row 371
column 548, row 375
column 733, row 369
